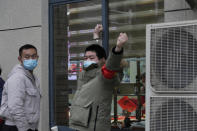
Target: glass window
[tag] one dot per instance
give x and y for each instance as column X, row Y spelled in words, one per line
column 73, row 26
column 131, row 16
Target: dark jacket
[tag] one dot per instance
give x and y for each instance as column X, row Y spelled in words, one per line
column 1, row 87
column 91, row 106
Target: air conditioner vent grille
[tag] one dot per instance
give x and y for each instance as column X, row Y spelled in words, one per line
column 173, row 58
column 173, row 114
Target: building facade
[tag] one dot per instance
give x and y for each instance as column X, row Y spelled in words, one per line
column 61, row 29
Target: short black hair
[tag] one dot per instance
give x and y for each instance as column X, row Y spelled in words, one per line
column 25, row 47
column 100, row 51
column 0, row 70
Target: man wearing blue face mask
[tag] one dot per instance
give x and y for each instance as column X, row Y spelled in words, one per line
column 91, row 105
column 21, row 95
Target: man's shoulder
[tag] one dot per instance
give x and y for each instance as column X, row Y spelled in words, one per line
column 1, row 82
column 17, row 76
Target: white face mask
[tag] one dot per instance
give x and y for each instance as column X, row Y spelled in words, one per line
column 87, row 63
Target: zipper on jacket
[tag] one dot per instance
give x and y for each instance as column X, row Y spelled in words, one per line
column 96, row 118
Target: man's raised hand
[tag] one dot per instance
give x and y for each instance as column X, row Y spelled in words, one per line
column 98, row 28
column 122, row 39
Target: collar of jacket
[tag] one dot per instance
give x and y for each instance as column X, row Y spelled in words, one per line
column 20, row 69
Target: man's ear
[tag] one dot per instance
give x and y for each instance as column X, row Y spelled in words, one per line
column 20, row 59
column 102, row 61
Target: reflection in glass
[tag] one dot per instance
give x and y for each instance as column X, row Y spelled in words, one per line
column 73, row 25
column 131, row 16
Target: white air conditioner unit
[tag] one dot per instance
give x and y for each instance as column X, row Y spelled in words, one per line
column 171, row 76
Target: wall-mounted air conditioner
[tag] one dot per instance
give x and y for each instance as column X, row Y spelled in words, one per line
column 171, row 76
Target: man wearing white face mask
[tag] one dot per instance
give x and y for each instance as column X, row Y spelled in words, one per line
column 21, row 95
column 91, row 105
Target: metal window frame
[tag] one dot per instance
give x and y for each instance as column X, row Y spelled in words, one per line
column 65, row 1
column 105, row 39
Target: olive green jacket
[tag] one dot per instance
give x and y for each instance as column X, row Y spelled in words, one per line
column 91, row 106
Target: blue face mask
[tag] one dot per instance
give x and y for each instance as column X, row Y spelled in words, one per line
column 87, row 63
column 30, row 64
